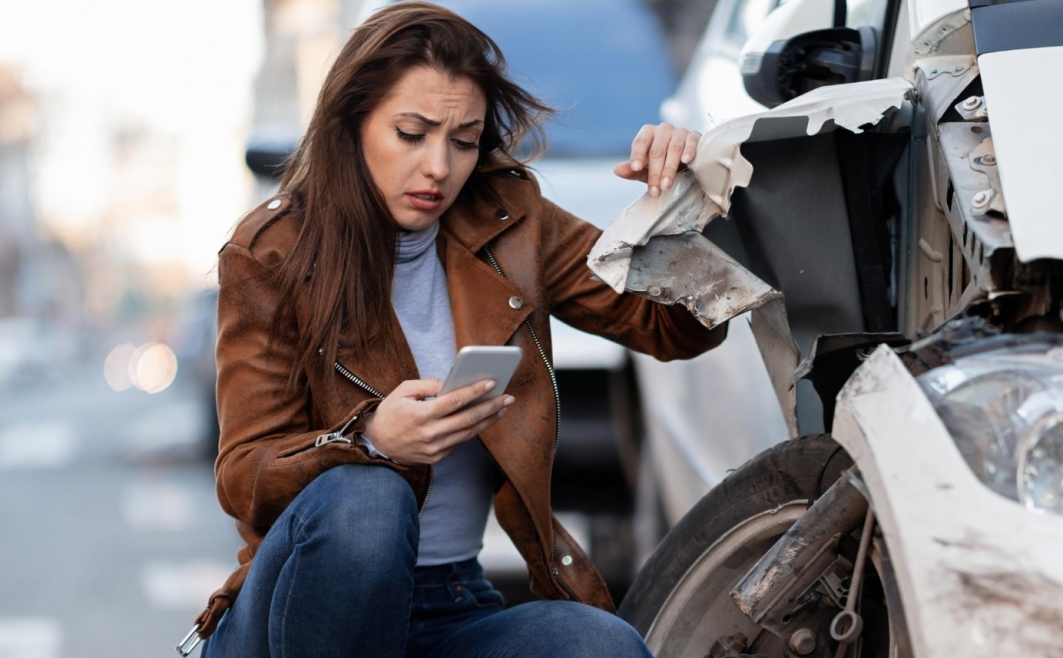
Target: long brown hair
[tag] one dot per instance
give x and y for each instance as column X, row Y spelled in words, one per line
column 342, row 265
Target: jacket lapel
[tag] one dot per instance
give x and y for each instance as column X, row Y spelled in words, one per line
column 481, row 300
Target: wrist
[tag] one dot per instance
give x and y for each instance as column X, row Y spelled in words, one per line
column 363, row 438
column 371, row 449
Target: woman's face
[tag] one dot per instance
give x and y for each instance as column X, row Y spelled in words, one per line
column 421, row 143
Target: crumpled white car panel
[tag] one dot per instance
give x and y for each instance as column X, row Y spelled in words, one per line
column 690, row 270
column 719, row 168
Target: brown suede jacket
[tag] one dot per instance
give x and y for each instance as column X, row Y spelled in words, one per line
column 275, row 439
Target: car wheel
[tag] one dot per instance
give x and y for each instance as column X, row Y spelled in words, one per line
column 680, row 601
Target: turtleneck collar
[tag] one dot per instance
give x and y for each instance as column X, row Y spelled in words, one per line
column 412, row 244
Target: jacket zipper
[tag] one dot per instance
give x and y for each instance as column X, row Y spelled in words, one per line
column 557, row 406
column 338, row 435
column 542, row 353
column 557, row 577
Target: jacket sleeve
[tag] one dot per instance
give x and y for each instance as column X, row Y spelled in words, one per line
column 267, row 452
column 662, row 331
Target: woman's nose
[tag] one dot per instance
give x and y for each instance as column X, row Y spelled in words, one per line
column 436, row 162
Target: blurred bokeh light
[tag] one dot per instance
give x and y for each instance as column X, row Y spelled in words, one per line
column 155, row 367
column 116, row 367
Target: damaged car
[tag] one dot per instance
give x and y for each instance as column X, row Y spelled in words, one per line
column 890, row 227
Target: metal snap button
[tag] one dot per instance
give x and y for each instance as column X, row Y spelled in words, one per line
column 566, row 560
column 516, row 302
column 274, row 204
column 502, row 215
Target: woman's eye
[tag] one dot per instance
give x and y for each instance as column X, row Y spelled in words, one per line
column 466, row 146
column 407, row 137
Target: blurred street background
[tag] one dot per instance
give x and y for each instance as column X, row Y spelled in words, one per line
column 129, row 132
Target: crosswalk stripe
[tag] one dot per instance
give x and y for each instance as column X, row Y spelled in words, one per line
column 158, row 506
column 30, row 637
column 174, row 425
column 182, row 585
column 37, row 445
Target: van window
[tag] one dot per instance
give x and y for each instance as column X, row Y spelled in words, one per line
column 604, row 64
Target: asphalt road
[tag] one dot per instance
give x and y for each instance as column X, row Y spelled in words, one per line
column 111, row 536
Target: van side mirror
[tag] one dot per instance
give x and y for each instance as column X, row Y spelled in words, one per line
column 267, row 152
column 794, row 66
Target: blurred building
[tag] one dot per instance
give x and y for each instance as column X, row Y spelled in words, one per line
column 122, row 132
column 39, row 278
column 41, row 296
column 17, row 232
column 302, row 39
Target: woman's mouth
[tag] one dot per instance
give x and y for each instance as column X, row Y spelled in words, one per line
column 425, row 200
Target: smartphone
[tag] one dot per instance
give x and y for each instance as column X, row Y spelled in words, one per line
column 476, row 363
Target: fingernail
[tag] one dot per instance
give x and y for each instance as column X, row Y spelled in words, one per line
column 636, row 165
column 502, row 412
column 509, row 400
column 489, row 385
column 685, row 159
column 654, row 191
column 666, row 183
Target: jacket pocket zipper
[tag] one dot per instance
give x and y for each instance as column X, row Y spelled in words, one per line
column 332, row 437
column 338, row 435
column 542, row 353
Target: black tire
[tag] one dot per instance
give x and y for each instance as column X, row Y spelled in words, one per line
column 787, row 472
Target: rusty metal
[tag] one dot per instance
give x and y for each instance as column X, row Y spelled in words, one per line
column 802, row 641
column 732, row 645
column 848, row 624
column 801, row 555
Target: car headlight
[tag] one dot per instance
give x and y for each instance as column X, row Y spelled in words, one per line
column 1004, row 410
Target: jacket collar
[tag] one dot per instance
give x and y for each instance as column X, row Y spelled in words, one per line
column 480, row 297
column 477, row 221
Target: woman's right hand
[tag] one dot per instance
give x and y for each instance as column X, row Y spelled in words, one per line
column 411, row 429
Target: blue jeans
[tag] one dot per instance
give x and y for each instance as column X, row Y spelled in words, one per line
column 335, row 576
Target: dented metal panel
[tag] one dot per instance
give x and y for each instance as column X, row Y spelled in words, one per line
column 679, row 209
column 941, row 79
column 687, row 269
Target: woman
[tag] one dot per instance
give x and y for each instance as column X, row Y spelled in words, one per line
column 405, row 230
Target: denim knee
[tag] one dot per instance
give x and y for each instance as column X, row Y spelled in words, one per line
column 578, row 630
column 366, row 515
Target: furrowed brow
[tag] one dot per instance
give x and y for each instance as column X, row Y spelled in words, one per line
column 433, row 122
column 422, row 118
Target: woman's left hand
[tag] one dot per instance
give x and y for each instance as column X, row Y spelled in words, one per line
column 657, row 154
